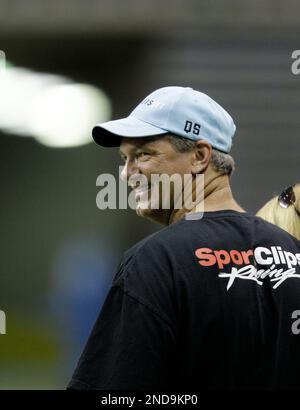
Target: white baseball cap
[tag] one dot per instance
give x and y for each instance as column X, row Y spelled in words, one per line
column 181, row 111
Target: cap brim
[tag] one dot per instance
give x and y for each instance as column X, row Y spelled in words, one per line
column 110, row 134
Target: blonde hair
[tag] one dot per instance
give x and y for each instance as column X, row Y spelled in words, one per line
column 286, row 218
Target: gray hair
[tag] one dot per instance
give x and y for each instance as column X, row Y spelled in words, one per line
column 222, row 162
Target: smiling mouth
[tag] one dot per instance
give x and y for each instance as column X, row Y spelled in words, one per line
column 143, row 188
column 142, row 194
column 137, row 187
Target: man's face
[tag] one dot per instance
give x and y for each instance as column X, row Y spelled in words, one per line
column 147, row 156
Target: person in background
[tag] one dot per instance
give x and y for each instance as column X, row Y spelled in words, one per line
column 284, row 210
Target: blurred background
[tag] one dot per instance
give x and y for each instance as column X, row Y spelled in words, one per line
column 70, row 64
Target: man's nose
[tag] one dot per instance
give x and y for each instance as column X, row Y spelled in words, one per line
column 130, row 168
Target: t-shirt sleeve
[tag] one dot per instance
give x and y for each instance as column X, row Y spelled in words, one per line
column 130, row 347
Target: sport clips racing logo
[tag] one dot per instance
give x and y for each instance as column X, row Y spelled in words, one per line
column 272, row 258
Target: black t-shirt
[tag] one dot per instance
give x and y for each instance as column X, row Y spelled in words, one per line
column 208, row 303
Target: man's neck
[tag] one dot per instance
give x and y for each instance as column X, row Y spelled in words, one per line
column 217, row 196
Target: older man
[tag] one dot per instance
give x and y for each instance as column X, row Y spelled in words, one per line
column 209, row 301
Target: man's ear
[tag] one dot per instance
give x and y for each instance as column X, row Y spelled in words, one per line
column 201, row 157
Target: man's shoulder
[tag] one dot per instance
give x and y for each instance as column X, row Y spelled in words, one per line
column 157, row 240
column 155, row 247
column 167, row 244
column 173, row 235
